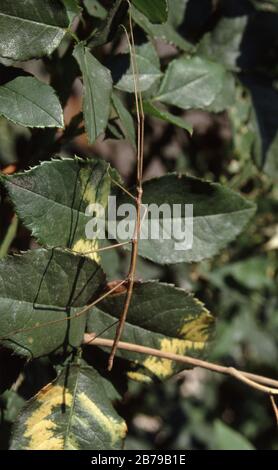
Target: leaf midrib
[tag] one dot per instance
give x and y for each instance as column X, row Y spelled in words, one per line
column 45, row 198
column 60, row 28
column 175, row 90
column 149, row 332
column 72, row 408
column 17, row 93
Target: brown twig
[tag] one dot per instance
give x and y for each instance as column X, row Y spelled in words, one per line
column 274, row 406
column 98, row 250
column 139, row 193
column 258, row 382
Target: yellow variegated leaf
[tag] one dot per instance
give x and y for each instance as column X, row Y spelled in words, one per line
column 73, row 413
column 63, row 190
column 160, row 316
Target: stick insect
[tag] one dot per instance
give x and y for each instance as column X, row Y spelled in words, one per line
column 130, row 278
column 252, row 380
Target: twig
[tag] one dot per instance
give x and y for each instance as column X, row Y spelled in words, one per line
column 98, row 250
column 260, row 383
column 139, row 193
column 274, row 406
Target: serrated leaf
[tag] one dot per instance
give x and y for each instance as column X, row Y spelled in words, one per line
column 223, row 43
column 160, row 316
column 156, row 10
column 219, row 215
column 165, row 31
column 44, row 286
column 97, row 83
column 197, row 83
column 51, row 199
column 126, row 119
column 149, row 73
column 32, row 28
column 73, row 413
column 31, row 103
column 152, row 110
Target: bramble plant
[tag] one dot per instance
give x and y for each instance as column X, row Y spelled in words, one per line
column 65, row 304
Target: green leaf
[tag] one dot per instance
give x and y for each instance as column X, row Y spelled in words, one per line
column 149, row 73
column 73, row 413
column 264, row 125
column 73, row 8
column 32, row 28
column 31, row 103
column 126, row 119
column 44, row 286
column 160, row 316
column 95, row 9
column 165, row 31
column 224, row 42
column 177, row 9
column 197, row 83
column 97, row 83
column 227, row 438
column 239, row 114
column 152, row 110
column 253, row 273
column 219, row 215
column 51, row 199
column 156, row 10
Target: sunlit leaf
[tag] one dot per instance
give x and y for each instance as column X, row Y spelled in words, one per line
column 31, row 103
column 73, row 413
column 32, row 28
column 97, row 83
column 60, row 191
column 197, row 83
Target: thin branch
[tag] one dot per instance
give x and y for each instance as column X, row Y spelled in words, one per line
column 274, row 406
column 139, row 192
column 98, row 250
column 257, row 382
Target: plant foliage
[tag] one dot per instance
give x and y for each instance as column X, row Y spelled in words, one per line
column 217, row 64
